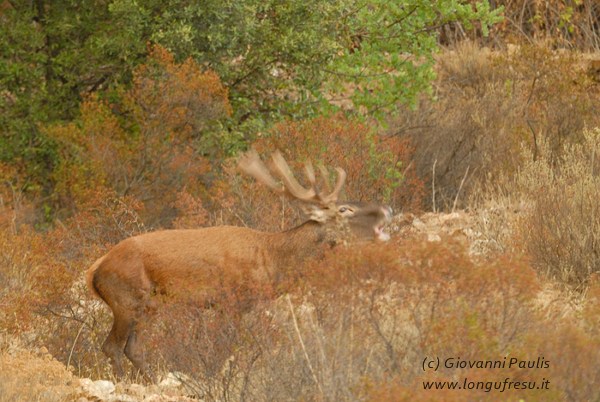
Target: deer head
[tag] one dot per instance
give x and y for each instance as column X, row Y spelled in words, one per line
column 357, row 220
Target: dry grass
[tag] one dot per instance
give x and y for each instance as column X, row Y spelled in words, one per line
column 562, row 229
column 549, row 211
column 33, row 376
column 488, row 105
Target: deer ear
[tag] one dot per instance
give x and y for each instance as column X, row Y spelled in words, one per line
column 315, row 213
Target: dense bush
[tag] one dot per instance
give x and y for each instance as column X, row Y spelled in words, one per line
column 357, row 325
column 147, row 144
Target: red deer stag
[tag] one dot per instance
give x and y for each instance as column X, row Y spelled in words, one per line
column 170, row 261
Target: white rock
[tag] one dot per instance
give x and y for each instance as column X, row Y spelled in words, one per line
column 418, row 224
column 122, row 398
column 449, row 217
column 433, row 237
column 100, row 389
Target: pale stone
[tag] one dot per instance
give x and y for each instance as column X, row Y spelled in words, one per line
column 100, row 389
column 433, row 237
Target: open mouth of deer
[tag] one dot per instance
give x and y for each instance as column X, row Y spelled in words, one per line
column 379, row 229
column 381, row 234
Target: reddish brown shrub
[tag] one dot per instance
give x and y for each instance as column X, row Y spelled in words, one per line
column 572, row 355
column 217, row 348
column 24, row 263
column 14, row 208
column 175, row 99
column 379, row 168
column 45, row 295
column 146, row 144
column 413, row 300
column 191, row 212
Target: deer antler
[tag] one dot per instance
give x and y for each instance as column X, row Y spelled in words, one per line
column 341, row 179
column 251, row 164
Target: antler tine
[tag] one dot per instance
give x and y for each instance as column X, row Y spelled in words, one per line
column 251, row 164
column 291, row 184
column 310, row 174
column 341, row 179
column 325, row 176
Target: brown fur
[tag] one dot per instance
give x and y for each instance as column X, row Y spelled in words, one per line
column 89, row 277
column 164, row 261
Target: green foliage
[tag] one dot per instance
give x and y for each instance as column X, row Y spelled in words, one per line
column 52, row 53
column 297, row 57
column 269, row 53
column 277, row 58
column 390, row 46
column 22, row 90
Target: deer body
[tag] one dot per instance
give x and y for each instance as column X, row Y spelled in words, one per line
column 162, row 262
column 192, row 263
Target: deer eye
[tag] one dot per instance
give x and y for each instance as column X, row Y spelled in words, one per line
column 346, row 210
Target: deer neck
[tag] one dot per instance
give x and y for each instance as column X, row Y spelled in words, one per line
column 300, row 243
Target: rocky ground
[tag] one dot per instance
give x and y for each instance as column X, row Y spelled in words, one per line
column 37, row 376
